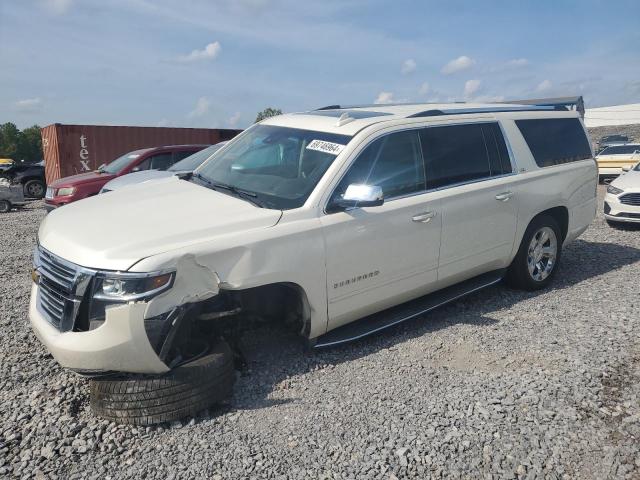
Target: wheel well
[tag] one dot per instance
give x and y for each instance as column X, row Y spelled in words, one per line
column 561, row 215
column 286, row 302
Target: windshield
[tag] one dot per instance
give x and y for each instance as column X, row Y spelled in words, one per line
column 190, row 163
column 120, row 163
column 621, row 150
column 280, row 166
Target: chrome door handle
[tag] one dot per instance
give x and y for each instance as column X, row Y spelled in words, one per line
column 504, row 196
column 423, row 217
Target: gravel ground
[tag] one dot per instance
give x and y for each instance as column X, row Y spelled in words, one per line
column 503, row 384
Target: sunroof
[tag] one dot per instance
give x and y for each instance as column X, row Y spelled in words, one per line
column 357, row 114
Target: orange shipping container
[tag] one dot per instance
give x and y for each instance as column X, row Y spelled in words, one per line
column 72, row 149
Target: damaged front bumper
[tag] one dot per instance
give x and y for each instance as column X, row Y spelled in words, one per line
column 91, row 322
column 120, row 344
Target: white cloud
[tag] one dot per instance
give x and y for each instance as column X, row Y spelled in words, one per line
column 458, row 64
column 209, row 52
column 408, row 66
column 202, row 108
column 544, row 86
column 384, row 97
column 57, row 6
column 29, row 105
column 235, row 118
column 471, row 87
column 424, row 88
column 518, row 62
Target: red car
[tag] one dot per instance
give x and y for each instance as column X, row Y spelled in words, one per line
column 83, row 185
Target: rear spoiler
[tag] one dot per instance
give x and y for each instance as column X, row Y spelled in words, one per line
column 561, row 103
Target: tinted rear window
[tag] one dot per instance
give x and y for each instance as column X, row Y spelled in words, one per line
column 554, row 141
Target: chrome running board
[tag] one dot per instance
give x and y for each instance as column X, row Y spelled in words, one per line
column 400, row 313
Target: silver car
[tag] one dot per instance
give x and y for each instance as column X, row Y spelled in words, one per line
column 185, row 165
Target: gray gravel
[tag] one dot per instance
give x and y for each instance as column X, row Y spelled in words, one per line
column 503, row 384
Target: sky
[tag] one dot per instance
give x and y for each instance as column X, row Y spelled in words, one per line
column 216, row 63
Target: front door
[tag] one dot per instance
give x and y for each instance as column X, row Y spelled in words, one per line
column 377, row 257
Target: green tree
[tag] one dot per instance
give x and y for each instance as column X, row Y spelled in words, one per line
column 268, row 112
column 9, row 138
column 20, row 145
column 30, row 145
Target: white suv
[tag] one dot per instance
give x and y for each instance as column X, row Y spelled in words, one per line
column 339, row 222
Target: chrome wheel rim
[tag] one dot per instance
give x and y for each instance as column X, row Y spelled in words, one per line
column 542, row 253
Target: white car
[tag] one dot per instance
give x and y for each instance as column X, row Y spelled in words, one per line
column 622, row 201
column 336, row 222
column 186, row 165
column 612, row 160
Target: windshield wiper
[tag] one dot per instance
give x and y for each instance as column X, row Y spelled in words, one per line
column 238, row 192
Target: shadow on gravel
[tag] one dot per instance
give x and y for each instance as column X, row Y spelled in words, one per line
column 276, row 357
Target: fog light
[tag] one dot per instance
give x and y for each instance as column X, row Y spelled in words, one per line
column 35, row 276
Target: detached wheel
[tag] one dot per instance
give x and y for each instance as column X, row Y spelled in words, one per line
column 537, row 259
column 182, row 392
column 5, row 206
column 34, row 189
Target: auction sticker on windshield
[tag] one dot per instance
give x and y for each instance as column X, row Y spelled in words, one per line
column 325, row 147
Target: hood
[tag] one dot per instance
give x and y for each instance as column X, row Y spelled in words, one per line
column 115, row 230
column 137, row 177
column 630, row 179
column 82, row 178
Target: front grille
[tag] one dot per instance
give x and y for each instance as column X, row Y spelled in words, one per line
column 630, row 199
column 62, row 286
column 629, row 215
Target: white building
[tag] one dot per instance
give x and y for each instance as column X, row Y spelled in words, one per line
column 613, row 115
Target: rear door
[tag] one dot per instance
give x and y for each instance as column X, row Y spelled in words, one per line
column 470, row 166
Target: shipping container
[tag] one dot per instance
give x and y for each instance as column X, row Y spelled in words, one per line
column 72, row 149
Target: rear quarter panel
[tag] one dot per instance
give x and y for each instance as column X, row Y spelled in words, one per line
column 570, row 185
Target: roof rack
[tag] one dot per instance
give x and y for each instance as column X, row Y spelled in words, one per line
column 371, row 105
column 527, row 105
column 569, row 103
column 462, row 111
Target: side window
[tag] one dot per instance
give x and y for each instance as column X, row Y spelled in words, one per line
column 455, row 154
column 162, row 161
column 144, row 165
column 393, row 162
column 499, row 160
column 553, row 141
column 177, row 156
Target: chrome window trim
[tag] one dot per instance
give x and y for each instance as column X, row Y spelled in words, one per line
column 430, row 190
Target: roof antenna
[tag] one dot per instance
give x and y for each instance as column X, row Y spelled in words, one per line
column 344, row 119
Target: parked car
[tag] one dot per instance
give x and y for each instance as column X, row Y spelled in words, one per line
column 187, row 165
column 337, row 222
column 5, row 164
column 76, row 187
column 612, row 159
column 622, row 201
column 611, row 140
column 11, row 196
column 29, row 175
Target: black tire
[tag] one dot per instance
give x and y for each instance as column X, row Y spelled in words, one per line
column 5, row 206
column 181, row 392
column 518, row 275
column 34, row 189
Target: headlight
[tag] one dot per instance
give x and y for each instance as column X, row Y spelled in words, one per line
column 613, row 190
column 127, row 287
column 66, row 191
